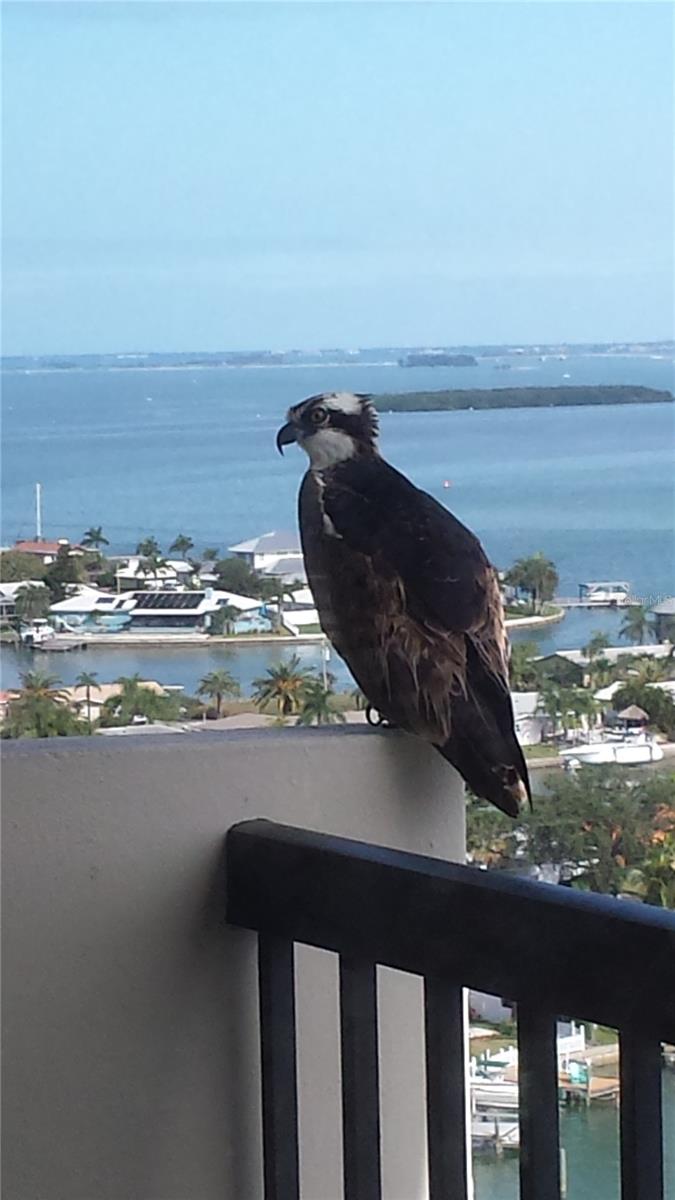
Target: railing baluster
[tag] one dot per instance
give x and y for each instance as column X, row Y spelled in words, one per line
column 641, row 1118
column 538, row 1104
column 279, row 1074
column 446, row 1090
column 360, row 1080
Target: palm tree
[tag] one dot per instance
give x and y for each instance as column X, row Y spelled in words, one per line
column 150, row 565
column 535, row 575
column 217, row 684
column 40, row 709
column 137, row 700
column 210, row 554
column 580, row 704
column 284, row 685
column 646, row 669
column 550, row 702
column 636, row 624
column 93, row 538
column 87, row 679
column 181, row 545
column 318, row 706
column 42, row 686
column 523, row 672
column 149, row 548
column 222, row 620
column 31, row 601
column 595, row 646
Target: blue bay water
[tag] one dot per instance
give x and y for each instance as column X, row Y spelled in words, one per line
column 192, row 451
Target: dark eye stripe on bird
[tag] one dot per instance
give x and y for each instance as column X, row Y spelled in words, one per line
column 407, row 596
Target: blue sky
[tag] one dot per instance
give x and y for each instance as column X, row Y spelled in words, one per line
column 223, row 175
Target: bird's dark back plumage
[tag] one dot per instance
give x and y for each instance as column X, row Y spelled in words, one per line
column 409, row 599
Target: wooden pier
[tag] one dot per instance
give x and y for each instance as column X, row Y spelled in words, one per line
column 596, row 1087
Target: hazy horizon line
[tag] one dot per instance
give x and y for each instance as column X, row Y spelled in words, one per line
column 322, row 349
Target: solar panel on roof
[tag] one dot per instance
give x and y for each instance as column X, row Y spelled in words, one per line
column 168, row 600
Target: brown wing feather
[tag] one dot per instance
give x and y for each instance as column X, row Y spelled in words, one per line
column 448, row 686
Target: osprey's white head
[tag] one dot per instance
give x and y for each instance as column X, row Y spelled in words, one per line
column 331, row 428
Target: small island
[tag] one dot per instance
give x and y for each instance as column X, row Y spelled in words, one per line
column 519, row 397
column 437, row 358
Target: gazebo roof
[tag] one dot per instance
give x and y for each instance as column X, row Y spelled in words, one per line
column 633, row 713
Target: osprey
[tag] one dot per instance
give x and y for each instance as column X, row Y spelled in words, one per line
column 407, row 596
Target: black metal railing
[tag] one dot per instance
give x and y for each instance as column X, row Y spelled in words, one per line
column 551, row 950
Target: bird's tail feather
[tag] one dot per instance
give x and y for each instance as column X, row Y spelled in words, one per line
column 505, row 783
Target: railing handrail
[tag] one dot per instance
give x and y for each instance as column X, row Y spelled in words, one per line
column 594, row 957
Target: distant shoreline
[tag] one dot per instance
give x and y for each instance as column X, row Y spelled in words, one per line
column 501, row 357
column 566, row 396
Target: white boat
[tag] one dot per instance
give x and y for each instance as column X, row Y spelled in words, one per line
column 604, row 593
column 36, row 632
column 491, row 1094
column 629, row 751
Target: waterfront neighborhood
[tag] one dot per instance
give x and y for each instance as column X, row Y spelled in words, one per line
column 592, row 705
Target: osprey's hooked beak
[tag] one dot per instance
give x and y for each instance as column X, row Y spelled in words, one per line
column 286, row 435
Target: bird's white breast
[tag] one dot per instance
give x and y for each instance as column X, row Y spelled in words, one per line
column 328, row 526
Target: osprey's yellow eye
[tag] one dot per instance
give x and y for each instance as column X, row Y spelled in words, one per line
column 319, row 415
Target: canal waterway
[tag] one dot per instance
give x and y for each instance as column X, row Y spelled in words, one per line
column 186, row 665
column 590, row 1138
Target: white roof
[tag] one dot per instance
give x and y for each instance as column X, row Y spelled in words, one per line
column 289, row 567
column 304, row 616
column 303, row 596
column 666, row 685
column 612, row 653
column 244, row 603
column 524, row 704
column 86, row 599
column 666, row 608
column 172, row 567
column 8, row 590
column 269, row 543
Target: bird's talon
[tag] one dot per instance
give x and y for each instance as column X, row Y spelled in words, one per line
column 375, row 718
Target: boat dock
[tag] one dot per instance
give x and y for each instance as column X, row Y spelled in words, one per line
column 495, row 1134
column 576, row 602
column 609, row 593
column 595, row 1087
column 59, row 645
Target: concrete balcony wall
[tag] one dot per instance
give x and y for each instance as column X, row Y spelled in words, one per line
column 131, row 1064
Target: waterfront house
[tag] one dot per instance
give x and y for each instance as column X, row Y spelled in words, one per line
column 134, row 573
column 6, row 697
column 298, row 611
column 570, row 667
column 166, row 609
column 192, row 611
column 85, row 605
column 277, row 554
column 266, row 550
column 9, row 592
column 90, row 709
column 46, row 551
